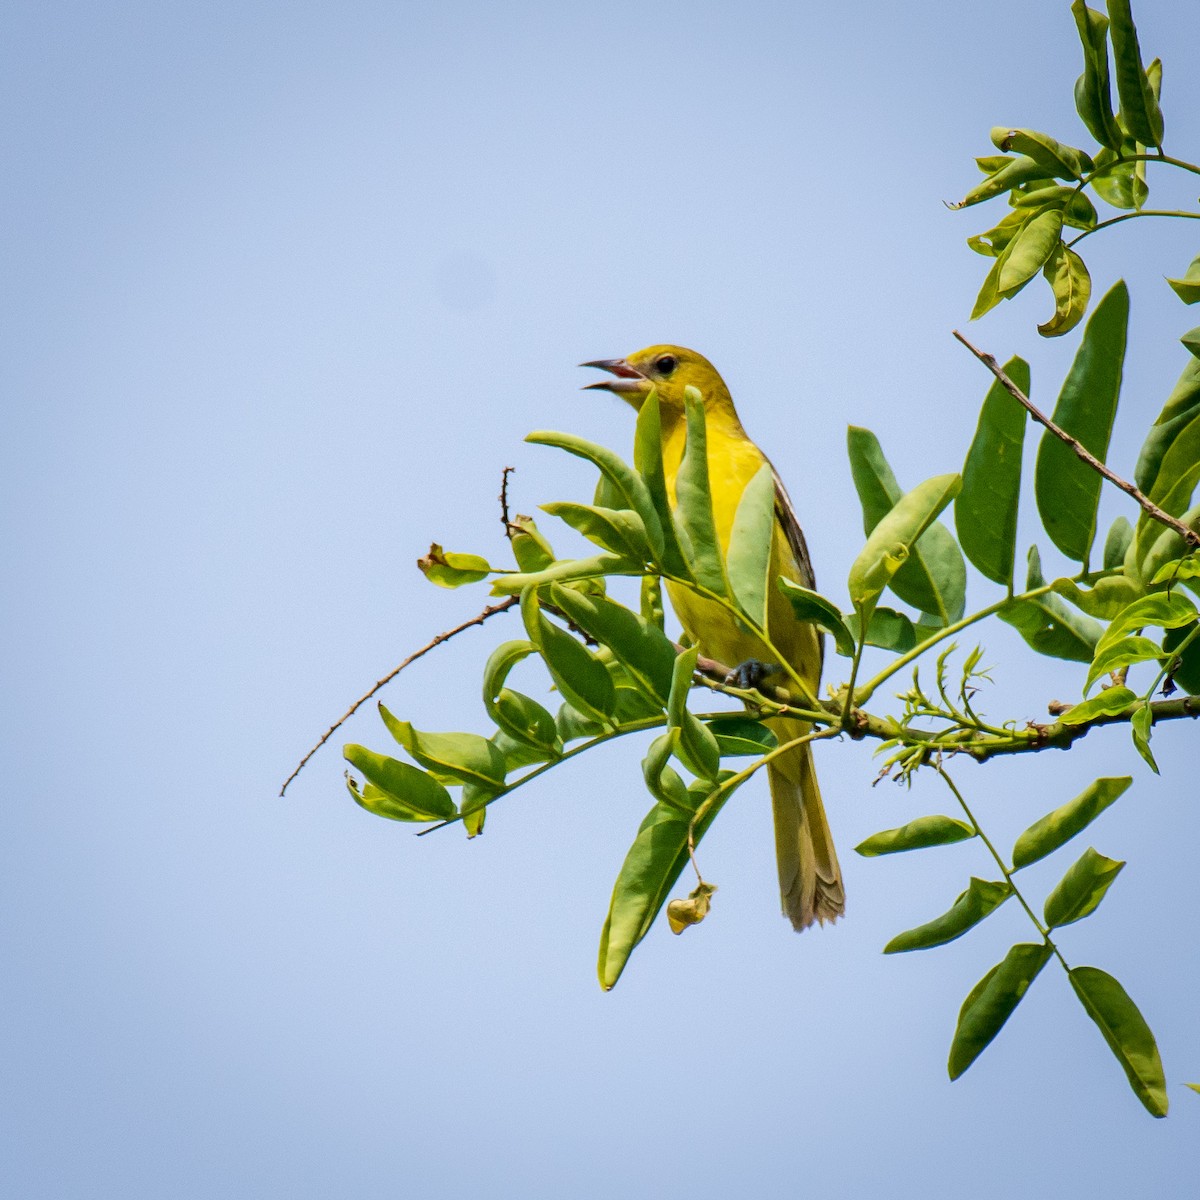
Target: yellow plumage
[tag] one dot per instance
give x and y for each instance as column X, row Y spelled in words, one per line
column 810, row 879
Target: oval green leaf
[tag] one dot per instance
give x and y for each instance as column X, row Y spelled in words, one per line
column 581, row 678
column 933, row 830
column 985, row 511
column 748, row 561
column 992, row 1001
column 1127, row 1034
column 1079, row 892
column 1057, row 828
column 405, row 793
column 1067, row 489
column 982, row 897
column 814, row 608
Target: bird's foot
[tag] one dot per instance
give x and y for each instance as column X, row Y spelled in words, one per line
column 750, row 674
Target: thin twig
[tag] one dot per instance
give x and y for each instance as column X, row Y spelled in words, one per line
column 490, row 611
column 1081, row 452
column 508, row 526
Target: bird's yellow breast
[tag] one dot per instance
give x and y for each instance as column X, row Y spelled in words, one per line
column 733, row 460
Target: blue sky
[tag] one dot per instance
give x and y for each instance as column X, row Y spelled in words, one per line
column 287, row 284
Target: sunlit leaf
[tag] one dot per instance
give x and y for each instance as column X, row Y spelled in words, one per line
column 933, row 577
column 1110, row 702
column 748, row 561
column 738, row 735
column 933, row 830
column 654, row 862
column 1081, row 889
column 618, row 530
column 814, row 608
column 397, row 790
column 1069, row 280
column 1067, row 489
column 449, row 757
column 992, row 1001
column 1048, row 624
column 1140, row 112
column 1093, row 98
column 1057, row 160
column 982, row 897
column 1057, row 828
column 985, row 511
column 1127, row 1034
column 694, row 497
column 641, row 648
column 577, row 673
column 1187, row 288
column 450, row 570
column 697, row 749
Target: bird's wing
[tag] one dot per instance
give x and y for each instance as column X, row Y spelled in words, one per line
column 794, row 534
column 785, row 514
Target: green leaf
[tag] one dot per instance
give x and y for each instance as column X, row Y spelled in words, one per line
column 652, row 601
column 1139, row 726
column 814, row 608
column 694, row 500
column 981, row 898
column 992, row 1001
column 648, row 459
column 1056, row 160
column 991, row 293
column 1093, row 98
column 1166, row 610
column 1155, row 545
column 1110, row 702
column 1068, row 277
column 1194, row 1086
column 663, row 783
column 577, row 673
column 565, row 571
column 1121, row 184
column 916, row 835
column 618, row 530
column 890, row 630
column 1186, row 670
column 985, row 511
column 1078, row 211
column 572, row 724
column 450, row 570
column 1120, row 536
column 1172, row 454
column 530, row 548
column 1105, row 599
column 641, row 648
column 1048, row 624
column 1116, row 655
column 1187, row 288
column 1014, row 171
column 1067, row 489
column 396, row 790
column 631, row 486
column 934, row 577
column 1030, row 249
column 993, row 242
column 519, row 716
column 654, row 862
column 741, row 736
column 1057, row 828
column 892, row 541
column 1079, row 892
column 698, row 750
column 1140, row 113
column 1127, row 1034
column 449, row 757
column 749, row 559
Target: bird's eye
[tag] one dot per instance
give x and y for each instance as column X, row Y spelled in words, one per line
column 665, row 364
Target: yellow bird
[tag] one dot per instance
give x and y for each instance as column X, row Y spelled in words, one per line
column 810, row 880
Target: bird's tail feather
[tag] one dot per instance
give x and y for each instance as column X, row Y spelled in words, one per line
column 810, row 880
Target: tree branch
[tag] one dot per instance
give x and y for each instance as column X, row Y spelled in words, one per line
column 479, row 619
column 1190, row 536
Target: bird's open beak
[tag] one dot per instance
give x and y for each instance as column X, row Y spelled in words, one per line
column 628, row 380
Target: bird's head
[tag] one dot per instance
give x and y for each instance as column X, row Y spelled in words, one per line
column 668, row 370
